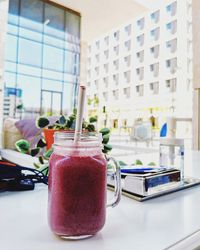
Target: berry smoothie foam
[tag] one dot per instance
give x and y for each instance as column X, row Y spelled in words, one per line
column 77, row 194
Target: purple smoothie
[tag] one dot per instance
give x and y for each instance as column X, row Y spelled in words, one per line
column 77, row 194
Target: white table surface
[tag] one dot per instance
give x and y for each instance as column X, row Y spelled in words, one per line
column 153, row 224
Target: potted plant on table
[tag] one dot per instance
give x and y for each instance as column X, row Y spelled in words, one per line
column 43, row 147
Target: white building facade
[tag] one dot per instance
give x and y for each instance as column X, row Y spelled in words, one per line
column 143, row 68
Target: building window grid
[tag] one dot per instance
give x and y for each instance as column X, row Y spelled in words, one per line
column 189, row 46
column 116, row 35
column 105, row 81
column 189, row 65
column 155, row 51
column 154, row 88
column 116, row 50
column 189, row 27
column 127, row 76
column 115, row 94
column 172, row 8
column 155, row 16
column 172, row 45
column 97, row 43
column 155, row 33
column 127, row 60
column 171, row 64
column 140, row 23
column 127, row 30
column 97, row 58
column 105, row 66
column 96, row 84
column 172, row 27
column 116, row 64
column 72, row 41
column 155, row 69
column 96, row 70
column 171, row 85
column 127, row 45
column 106, row 54
column 189, row 9
column 168, row 46
column 140, row 73
column 189, row 84
column 140, row 56
column 105, row 96
column 140, row 40
column 127, row 92
column 140, row 90
column 116, row 79
column 106, row 40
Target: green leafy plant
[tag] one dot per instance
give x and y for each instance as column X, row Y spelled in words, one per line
column 63, row 123
column 122, row 163
column 138, row 162
column 106, row 136
column 23, row 146
column 152, row 164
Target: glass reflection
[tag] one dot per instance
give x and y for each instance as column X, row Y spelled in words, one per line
column 42, row 54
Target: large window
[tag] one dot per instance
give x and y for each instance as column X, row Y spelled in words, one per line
column 42, row 58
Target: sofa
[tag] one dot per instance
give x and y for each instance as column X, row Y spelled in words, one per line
column 11, row 134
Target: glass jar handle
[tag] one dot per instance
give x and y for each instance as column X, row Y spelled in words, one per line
column 117, row 179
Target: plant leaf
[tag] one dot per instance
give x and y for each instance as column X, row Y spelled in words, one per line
column 107, row 148
column 22, row 146
column 69, row 123
column 122, row 163
column 84, row 124
column 62, row 120
column 105, row 131
column 41, row 160
column 152, row 164
column 41, row 143
column 109, row 166
column 42, row 122
column 73, row 125
column 34, row 151
column 138, row 162
column 75, row 111
column 72, row 117
column 45, row 171
column 106, row 138
column 91, row 128
column 48, row 153
column 93, row 119
column 37, row 166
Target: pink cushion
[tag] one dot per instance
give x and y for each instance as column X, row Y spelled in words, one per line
column 29, row 130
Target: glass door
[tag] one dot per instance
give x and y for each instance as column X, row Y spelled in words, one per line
column 51, row 103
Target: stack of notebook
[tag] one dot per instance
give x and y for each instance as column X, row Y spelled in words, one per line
column 148, row 181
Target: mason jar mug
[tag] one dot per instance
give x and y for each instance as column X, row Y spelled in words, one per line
column 77, row 186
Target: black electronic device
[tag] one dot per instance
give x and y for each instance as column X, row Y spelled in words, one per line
column 17, row 178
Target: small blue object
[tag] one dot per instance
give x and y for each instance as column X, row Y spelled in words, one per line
column 163, row 131
column 141, row 170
